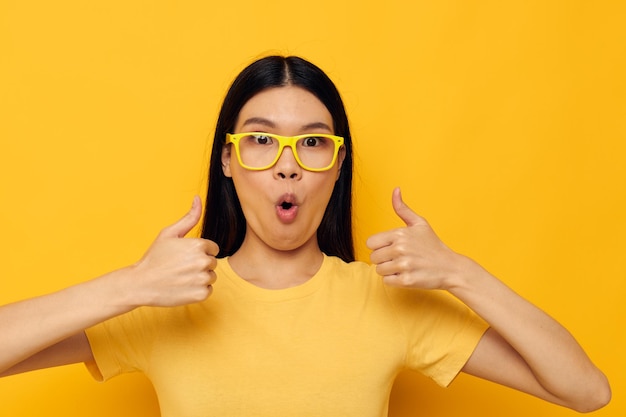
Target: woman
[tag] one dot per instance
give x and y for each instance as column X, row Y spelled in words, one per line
column 294, row 326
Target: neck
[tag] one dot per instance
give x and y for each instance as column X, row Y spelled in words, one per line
column 271, row 268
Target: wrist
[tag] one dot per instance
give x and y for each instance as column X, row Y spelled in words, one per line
column 120, row 293
column 465, row 276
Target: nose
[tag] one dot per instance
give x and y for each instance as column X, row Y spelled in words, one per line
column 287, row 167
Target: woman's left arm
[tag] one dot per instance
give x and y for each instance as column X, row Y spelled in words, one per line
column 524, row 348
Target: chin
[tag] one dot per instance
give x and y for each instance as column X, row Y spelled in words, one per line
column 289, row 242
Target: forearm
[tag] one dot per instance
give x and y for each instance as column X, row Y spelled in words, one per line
column 556, row 360
column 29, row 326
column 173, row 272
column 524, row 349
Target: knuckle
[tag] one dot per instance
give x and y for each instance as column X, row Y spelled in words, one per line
column 201, row 294
column 212, row 247
column 212, row 277
column 406, row 280
column 392, row 280
column 206, row 278
column 399, row 247
column 212, row 262
column 398, row 280
column 405, row 263
column 197, row 243
column 204, row 263
column 208, row 247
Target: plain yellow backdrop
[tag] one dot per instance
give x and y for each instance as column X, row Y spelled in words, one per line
column 503, row 122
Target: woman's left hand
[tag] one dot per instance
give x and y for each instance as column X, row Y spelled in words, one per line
column 525, row 348
column 413, row 256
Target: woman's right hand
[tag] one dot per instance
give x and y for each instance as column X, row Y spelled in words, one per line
column 48, row 330
column 175, row 270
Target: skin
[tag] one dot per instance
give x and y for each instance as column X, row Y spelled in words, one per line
column 524, row 348
column 290, row 246
column 49, row 330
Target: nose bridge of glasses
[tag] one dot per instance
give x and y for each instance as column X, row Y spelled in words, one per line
column 287, row 143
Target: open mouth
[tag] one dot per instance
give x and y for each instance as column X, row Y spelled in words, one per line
column 287, row 208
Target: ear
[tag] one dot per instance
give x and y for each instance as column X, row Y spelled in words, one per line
column 226, row 156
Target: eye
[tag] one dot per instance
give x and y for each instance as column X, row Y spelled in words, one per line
column 313, row 141
column 261, row 139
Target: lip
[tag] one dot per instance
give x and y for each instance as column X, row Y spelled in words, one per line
column 287, row 208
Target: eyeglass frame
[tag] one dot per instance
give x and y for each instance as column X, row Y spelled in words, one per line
column 285, row 141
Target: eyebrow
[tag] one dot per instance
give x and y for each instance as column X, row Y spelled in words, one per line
column 270, row 124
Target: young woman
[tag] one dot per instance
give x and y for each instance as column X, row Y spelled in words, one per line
column 294, row 326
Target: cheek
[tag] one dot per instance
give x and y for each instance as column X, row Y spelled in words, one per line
column 251, row 188
column 324, row 189
column 246, row 186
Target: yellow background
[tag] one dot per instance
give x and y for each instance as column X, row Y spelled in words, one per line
column 503, row 121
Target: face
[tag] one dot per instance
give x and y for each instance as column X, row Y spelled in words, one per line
column 284, row 204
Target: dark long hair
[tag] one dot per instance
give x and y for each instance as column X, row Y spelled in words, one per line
column 224, row 222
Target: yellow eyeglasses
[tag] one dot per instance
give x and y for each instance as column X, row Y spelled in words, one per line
column 257, row 151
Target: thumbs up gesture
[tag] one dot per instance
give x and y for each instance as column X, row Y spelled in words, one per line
column 175, row 270
column 413, row 256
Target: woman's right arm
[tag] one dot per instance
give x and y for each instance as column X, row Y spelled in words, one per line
column 49, row 330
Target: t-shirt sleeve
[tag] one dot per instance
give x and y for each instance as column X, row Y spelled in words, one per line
column 441, row 332
column 118, row 345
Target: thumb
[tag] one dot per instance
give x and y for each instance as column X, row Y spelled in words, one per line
column 408, row 216
column 187, row 222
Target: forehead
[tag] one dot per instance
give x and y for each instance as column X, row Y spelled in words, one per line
column 286, row 108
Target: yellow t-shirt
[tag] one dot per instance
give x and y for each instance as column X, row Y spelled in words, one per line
column 331, row 346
